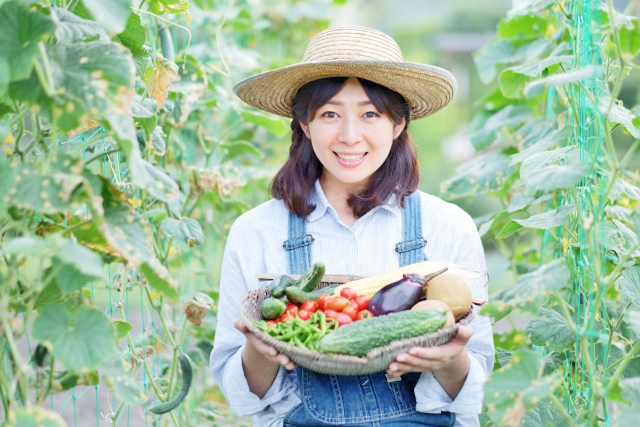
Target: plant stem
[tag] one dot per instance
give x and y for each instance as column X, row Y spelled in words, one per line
column 624, row 361
column 563, row 411
column 95, row 137
column 23, row 386
column 76, row 226
column 101, row 155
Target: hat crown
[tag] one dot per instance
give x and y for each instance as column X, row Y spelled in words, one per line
column 352, row 43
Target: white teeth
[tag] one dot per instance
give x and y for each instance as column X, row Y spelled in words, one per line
column 350, row 157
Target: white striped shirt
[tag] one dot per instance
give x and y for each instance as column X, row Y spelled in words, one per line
column 367, row 248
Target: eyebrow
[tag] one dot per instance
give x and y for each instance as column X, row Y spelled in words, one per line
column 367, row 102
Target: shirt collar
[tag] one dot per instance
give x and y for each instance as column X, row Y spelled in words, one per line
column 322, row 204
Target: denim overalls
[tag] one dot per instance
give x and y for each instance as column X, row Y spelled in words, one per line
column 359, row 400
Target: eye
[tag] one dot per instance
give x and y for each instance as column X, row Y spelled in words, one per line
column 329, row 115
column 371, row 114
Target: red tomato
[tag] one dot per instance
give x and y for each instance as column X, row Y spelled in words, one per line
column 337, row 303
column 363, row 314
column 322, row 299
column 330, row 314
column 348, row 293
column 292, row 308
column 286, row 316
column 353, row 305
column 304, row 314
column 343, row 319
column 272, row 323
column 310, row 306
column 363, row 302
column 351, row 312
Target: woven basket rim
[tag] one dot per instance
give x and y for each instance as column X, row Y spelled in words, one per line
column 314, row 359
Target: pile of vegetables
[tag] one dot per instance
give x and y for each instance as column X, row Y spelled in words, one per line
column 336, row 319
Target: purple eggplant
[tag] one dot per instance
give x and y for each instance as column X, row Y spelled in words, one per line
column 401, row 295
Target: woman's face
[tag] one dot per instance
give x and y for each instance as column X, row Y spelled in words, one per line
column 350, row 137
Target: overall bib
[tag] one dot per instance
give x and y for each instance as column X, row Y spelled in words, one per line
column 359, row 400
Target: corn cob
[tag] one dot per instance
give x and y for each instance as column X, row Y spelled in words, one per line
column 371, row 285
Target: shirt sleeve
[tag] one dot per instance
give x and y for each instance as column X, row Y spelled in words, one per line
column 226, row 357
column 430, row 395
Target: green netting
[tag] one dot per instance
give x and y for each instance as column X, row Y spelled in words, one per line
column 587, row 121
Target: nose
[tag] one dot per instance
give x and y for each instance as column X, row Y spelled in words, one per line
column 350, row 132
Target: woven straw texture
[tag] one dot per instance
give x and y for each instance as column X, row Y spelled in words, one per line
column 352, row 52
column 375, row 361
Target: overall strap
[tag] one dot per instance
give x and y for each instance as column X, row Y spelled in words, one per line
column 410, row 249
column 298, row 246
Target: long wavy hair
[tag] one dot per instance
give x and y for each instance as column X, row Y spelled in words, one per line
column 399, row 174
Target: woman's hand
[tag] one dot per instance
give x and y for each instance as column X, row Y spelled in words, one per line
column 449, row 357
column 256, row 348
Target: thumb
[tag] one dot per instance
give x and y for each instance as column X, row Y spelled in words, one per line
column 464, row 333
column 239, row 325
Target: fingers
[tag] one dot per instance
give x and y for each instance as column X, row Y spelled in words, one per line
column 271, row 353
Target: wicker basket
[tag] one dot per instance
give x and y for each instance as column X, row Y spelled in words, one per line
column 375, row 361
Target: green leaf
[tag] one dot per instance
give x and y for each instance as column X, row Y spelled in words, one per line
column 34, row 417
column 133, row 38
column 537, row 87
column 536, row 68
column 5, row 75
column 169, row 6
column 531, row 288
column 627, row 414
column 517, row 387
column 543, row 221
column 83, row 339
column 71, row 28
column 553, row 361
column 628, row 285
column 537, row 169
column 158, row 278
column 629, row 41
column 542, row 144
column 120, row 329
column 185, row 230
column 238, row 148
column 496, row 52
column 275, row 125
column 122, row 385
column 523, row 27
column 124, row 233
column 632, row 318
column 79, row 266
column 91, row 78
column 619, row 114
column 153, row 179
column 550, row 330
column 507, row 118
column 25, row 245
column 621, row 187
column 511, row 83
column 20, row 32
column 526, row 7
column 111, row 15
column 616, row 238
column 484, row 173
column 545, row 414
column 43, row 192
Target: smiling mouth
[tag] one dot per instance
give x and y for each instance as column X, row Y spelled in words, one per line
column 350, row 157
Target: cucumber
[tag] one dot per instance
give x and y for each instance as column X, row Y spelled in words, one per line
column 41, row 356
column 272, row 308
column 359, row 338
column 298, row 296
column 187, row 376
column 311, row 278
column 279, row 284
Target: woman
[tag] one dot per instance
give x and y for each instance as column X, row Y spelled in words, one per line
column 347, row 196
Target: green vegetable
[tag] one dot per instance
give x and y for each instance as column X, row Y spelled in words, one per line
column 298, row 296
column 272, row 308
column 279, row 284
column 311, row 278
column 187, row 376
column 359, row 338
column 41, row 356
column 301, row 333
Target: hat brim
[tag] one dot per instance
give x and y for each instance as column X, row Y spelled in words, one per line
column 426, row 88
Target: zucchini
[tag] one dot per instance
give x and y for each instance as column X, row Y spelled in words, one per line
column 311, row 278
column 272, row 308
column 298, row 296
column 279, row 284
column 359, row 338
column 187, row 376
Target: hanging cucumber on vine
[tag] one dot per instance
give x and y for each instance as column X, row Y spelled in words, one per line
column 187, row 376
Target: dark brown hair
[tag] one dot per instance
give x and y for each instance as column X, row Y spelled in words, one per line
column 399, row 174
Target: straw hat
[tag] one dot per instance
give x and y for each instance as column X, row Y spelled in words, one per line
column 354, row 52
